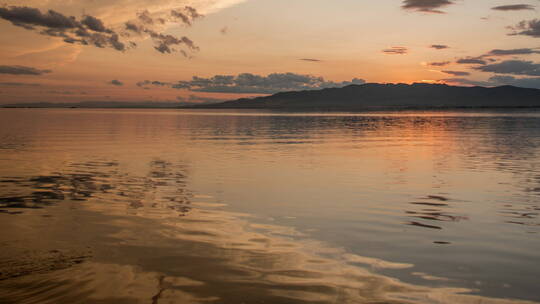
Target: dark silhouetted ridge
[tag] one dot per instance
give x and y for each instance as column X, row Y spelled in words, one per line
column 374, row 95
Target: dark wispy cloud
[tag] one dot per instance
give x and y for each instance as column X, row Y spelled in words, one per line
column 87, row 31
column 426, row 6
column 498, row 80
column 439, row 63
column 527, row 28
column 19, row 84
column 396, row 50
column 439, row 46
column 512, row 67
column 471, row 60
column 145, row 25
column 513, row 7
column 511, row 52
column 247, row 83
column 310, row 59
column 527, row 82
column 457, row 73
column 90, row 30
column 21, row 70
column 116, row 82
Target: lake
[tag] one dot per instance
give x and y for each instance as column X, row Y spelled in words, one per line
column 202, row 206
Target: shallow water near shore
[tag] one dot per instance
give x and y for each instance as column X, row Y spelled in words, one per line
column 185, row 206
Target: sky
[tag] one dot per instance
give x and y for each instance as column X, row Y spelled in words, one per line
column 212, row 50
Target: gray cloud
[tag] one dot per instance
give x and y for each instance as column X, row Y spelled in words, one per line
column 310, row 59
column 95, row 24
column 457, row 73
column 186, row 15
column 524, row 51
column 439, row 64
column 21, row 70
column 396, row 50
column 88, row 31
column 514, row 7
column 529, row 82
column 439, row 46
column 28, row 17
column 116, row 82
column 164, row 43
column 426, row 6
column 19, row 84
column 527, row 28
column 532, row 82
column 247, row 83
column 471, row 60
column 513, row 67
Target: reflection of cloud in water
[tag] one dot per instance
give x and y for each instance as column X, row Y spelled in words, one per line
column 208, row 256
column 163, row 189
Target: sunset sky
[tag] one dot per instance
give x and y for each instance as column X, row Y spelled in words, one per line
column 209, row 50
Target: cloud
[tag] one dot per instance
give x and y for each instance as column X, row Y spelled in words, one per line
column 247, row 83
column 90, row 30
column 186, row 15
column 21, row 70
column 524, row 51
column 19, row 84
column 532, row 82
column 438, row 64
column 528, row 82
column 439, row 46
column 457, row 73
column 146, row 25
column 396, row 50
column 116, row 82
column 310, row 59
column 426, row 6
column 527, row 28
column 471, row 60
column 515, row 7
column 513, row 67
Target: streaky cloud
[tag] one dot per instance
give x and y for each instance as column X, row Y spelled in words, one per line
column 512, row 67
column 457, row 73
column 511, row 52
column 396, row 50
column 21, row 70
column 439, row 63
column 513, row 7
column 439, row 46
column 471, row 60
column 426, row 6
column 116, row 82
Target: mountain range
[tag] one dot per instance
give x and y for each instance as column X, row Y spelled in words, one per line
column 374, row 95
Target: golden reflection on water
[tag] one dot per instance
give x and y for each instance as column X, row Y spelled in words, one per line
column 101, row 210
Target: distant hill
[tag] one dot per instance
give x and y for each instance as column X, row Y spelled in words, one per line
column 372, row 95
column 101, row 104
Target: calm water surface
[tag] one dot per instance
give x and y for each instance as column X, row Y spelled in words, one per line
column 172, row 206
